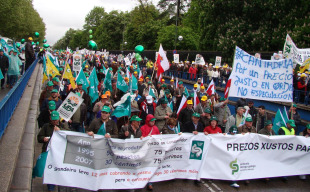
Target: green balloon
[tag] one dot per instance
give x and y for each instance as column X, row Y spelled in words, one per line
column 92, row 45
column 46, row 45
column 32, row 43
column 137, row 55
column 90, row 36
column 38, row 43
column 44, row 41
column 90, row 31
column 36, row 34
column 139, row 49
column 139, row 58
column 22, row 41
column 17, row 45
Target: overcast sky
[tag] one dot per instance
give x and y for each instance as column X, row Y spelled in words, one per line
column 60, row 15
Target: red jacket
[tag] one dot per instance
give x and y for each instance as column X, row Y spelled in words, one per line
column 301, row 86
column 210, row 130
column 147, row 129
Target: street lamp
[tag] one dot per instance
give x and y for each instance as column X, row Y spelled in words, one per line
column 180, row 38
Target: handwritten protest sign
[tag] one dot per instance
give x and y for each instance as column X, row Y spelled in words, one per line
column 199, row 60
column 290, row 50
column 69, row 106
column 254, row 78
column 77, row 62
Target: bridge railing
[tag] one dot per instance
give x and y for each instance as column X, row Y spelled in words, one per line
column 10, row 101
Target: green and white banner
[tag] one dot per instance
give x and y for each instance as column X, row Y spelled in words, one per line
column 290, row 50
column 69, row 106
column 77, row 62
column 78, row 160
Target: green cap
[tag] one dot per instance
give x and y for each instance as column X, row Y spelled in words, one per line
column 222, row 99
column 150, row 82
column 213, row 118
column 208, row 110
column 135, row 118
column 294, row 105
column 196, row 115
column 55, row 79
column 86, row 74
column 164, row 85
column 106, row 109
column 191, row 95
column 54, row 115
column 268, row 122
column 101, row 71
column 308, row 126
column 50, row 83
column 164, row 101
column 153, row 119
column 248, row 119
column 233, row 129
column 51, row 105
column 54, row 91
column 180, row 82
column 167, row 91
column 1, row 50
column 291, row 123
column 15, row 51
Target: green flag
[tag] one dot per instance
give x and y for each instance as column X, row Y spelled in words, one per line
column 278, row 121
column 38, row 169
column 107, row 82
column 186, row 94
column 104, row 69
column 151, row 92
column 93, row 89
column 285, row 116
column 121, row 84
column 134, row 83
column 1, row 75
column 123, row 109
column 82, row 78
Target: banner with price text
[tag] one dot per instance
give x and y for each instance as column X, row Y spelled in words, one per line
column 77, row 160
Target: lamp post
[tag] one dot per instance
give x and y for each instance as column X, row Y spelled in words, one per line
column 176, row 24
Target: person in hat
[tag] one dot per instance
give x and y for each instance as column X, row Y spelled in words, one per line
column 53, row 97
column 99, row 105
column 202, row 92
column 186, row 114
column 212, row 128
column 171, row 127
column 162, row 114
column 205, row 117
column 132, row 130
column 86, row 100
column 267, row 130
column 171, row 86
column 103, row 125
column 248, row 126
column 13, row 70
column 201, row 107
column 4, row 65
column 289, row 129
column 293, row 114
column 162, row 91
column 46, row 93
column 148, row 106
column 149, row 128
column 29, row 53
column 193, row 125
column 56, row 81
column 79, row 118
column 141, row 86
column 261, row 117
column 233, row 130
column 223, row 114
column 302, row 87
column 306, row 131
column 44, row 116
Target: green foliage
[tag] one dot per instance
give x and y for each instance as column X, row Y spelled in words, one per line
column 20, row 20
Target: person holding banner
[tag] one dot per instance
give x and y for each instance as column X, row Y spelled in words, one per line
column 186, row 114
column 132, row 130
column 267, row 130
column 289, row 129
column 212, row 128
column 193, row 126
column 103, row 125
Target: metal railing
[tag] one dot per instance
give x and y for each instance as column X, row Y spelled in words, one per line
column 10, row 101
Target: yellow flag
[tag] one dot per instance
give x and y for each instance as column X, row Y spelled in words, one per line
column 305, row 65
column 68, row 75
column 50, row 67
column 44, row 78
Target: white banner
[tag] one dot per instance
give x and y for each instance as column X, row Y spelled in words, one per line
column 77, row 160
column 69, row 106
column 77, row 62
column 199, row 60
column 218, row 61
column 176, row 58
column 261, row 79
column 251, row 156
column 291, row 51
column 127, row 61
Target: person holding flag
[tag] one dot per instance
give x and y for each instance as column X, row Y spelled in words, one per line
column 132, row 130
column 294, row 115
column 103, row 125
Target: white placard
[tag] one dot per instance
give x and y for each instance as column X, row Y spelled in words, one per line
column 290, row 50
column 69, row 106
column 176, row 58
column 77, row 62
column 270, row 80
column 199, row 60
column 218, row 61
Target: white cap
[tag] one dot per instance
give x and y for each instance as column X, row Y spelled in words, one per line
column 149, row 99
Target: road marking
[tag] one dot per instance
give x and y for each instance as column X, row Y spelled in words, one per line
column 208, row 187
column 212, row 184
